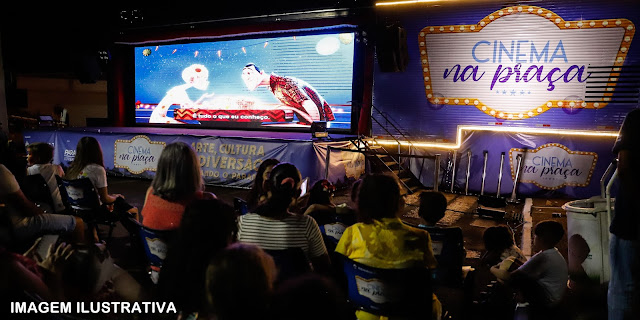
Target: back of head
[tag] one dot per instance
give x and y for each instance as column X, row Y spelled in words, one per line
column 378, row 197
column 178, row 173
column 283, row 187
column 239, row 281
column 41, row 152
column 433, row 205
column 497, row 238
column 207, row 227
column 549, row 232
column 257, row 188
column 321, row 192
column 88, row 151
column 312, row 295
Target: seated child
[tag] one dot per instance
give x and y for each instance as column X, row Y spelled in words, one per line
column 542, row 280
column 39, row 157
column 433, row 205
column 447, row 242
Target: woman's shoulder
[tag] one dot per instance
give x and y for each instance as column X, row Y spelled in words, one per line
column 92, row 167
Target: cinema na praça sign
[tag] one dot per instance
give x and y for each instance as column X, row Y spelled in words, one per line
column 519, row 62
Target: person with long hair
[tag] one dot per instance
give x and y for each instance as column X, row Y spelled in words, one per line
column 240, row 282
column 321, row 197
column 89, row 163
column 274, row 227
column 177, row 182
column 257, row 193
column 207, row 227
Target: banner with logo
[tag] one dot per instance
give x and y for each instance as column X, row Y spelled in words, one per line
column 558, row 167
column 230, row 162
column 558, row 64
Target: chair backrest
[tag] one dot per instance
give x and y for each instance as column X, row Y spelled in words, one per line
column 64, row 196
column 448, row 249
column 36, row 189
column 389, row 292
column 290, row 262
column 81, row 194
column 332, row 225
column 155, row 244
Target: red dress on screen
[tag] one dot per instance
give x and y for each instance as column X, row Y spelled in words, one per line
column 161, row 214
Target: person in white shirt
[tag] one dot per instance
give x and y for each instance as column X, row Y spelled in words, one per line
column 542, row 280
column 39, row 157
column 89, row 163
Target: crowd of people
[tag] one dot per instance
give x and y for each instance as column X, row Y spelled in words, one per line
column 221, row 264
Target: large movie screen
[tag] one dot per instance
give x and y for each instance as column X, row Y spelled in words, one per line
column 271, row 83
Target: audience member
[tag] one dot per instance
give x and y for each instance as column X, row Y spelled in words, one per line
column 274, row 227
column 542, row 280
column 499, row 245
column 433, row 205
column 447, row 242
column 39, row 157
column 89, row 163
column 177, row 182
column 381, row 239
column 624, row 246
column 27, row 220
column 321, row 197
column 239, row 283
column 312, row 297
column 12, row 154
column 257, row 194
column 28, row 275
column 90, row 274
column 207, row 227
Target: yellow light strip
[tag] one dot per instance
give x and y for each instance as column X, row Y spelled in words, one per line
column 461, row 129
column 393, row 3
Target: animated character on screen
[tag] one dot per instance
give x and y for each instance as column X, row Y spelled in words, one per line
column 195, row 76
column 295, row 94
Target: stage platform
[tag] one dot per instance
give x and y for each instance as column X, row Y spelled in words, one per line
column 227, row 157
column 260, row 134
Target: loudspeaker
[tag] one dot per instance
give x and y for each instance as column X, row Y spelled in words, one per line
column 88, row 69
column 391, row 48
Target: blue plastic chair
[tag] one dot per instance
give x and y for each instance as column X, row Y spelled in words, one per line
column 155, row 244
column 389, row 292
column 83, row 199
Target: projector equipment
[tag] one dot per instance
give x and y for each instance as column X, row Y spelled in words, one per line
column 513, row 198
column 319, row 129
column 466, row 185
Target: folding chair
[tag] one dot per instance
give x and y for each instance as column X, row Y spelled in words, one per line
column 84, row 202
column 403, row 293
column 155, row 244
column 332, row 225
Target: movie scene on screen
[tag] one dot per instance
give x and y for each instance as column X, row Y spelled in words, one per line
column 271, row 83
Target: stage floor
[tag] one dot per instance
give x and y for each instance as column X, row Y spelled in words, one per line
column 261, row 134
